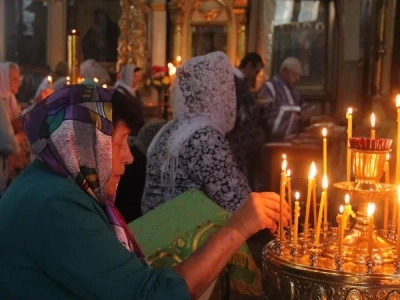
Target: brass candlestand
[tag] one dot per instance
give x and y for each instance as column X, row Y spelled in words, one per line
column 318, row 271
column 73, row 56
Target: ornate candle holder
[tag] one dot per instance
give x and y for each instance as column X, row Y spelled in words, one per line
column 321, row 272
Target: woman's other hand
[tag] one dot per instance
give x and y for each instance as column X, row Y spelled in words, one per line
column 259, row 211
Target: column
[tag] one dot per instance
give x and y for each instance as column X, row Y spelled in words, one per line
column 159, row 34
column 56, row 32
column 254, row 24
column 267, row 15
column 175, row 10
column 2, row 31
column 240, row 15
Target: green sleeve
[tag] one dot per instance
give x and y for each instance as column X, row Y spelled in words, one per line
column 83, row 255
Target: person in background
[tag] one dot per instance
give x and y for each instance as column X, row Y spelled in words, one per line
column 15, row 149
column 130, row 78
column 92, row 73
column 191, row 151
column 246, row 138
column 281, row 104
column 59, row 80
column 62, row 236
column 129, row 196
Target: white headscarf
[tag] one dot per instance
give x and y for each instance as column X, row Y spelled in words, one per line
column 91, row 69
column 5, row 93
column 203, row 95
column 126, row 78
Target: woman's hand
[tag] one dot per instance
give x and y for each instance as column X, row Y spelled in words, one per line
column 259, row 211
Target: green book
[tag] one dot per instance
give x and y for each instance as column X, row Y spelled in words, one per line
column 170, row 233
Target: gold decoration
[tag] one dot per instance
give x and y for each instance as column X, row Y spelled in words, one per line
column 209, row 9
column 132, row 43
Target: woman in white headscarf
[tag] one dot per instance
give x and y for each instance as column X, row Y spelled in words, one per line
column 14, row 149
column 191, row 151
column 93, row 73
column 129, row 79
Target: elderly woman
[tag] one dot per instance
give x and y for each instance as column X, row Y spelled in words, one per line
column 60, row 233
column 191, row 151
column 129, row 79
column 14, row 148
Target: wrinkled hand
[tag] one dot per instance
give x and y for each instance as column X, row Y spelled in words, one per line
column 259, row 211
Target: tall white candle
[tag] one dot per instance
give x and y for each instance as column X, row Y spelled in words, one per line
column 325, row 152
column 349, row 117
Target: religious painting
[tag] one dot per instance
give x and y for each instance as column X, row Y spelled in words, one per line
column 97, row 23
column 26, row 32
column 302, row 29
column 208, row 38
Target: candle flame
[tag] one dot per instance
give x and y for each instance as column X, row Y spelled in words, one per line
column 288, row 173
column 324, row 132
column 284, row 165
column 373, row 120
column 170, row 65
column 284, row 156
column 178, row 58
column 371, row 209
column 73, row 31
column 104, row 86
column 341, row 209
column 350, row 111
column 297, row 196
column 49, row 79
column 68, row 78
column 387, row 156
column 95, row 80
column 313, row 171
column 347, row 199
column 172, row 71
column 398, row 100
column 325, row 182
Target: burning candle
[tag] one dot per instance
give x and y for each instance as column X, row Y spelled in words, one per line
column 178, row 60
column 325, row 152
column 282, row 199
column 311, row 179
column 68, row 80
column 325, row 187
column 398, row 140
column 296, row 218
column 386, row 204
column 73, row 45
column 398, row 223
column 373, row 120
column 104, row 86
column 341, row 225
column 50, row 82
column 289, row 190
column 95, row 80
column 348, row 210
column 314, row 201
column 370, row 213
column 322, row 209
column 349, row 117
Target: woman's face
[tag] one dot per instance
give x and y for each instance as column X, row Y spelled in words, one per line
column 121, row 156
column 15, row 80
column 137, row 78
